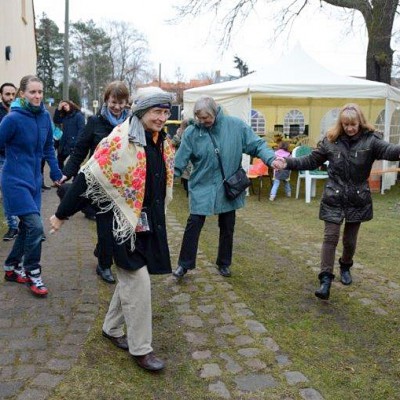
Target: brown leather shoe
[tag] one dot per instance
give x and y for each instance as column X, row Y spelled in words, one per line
column 120, row 342
column 149, row 362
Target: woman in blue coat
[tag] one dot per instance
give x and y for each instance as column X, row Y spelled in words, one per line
column 26, row 135
column 73, row 123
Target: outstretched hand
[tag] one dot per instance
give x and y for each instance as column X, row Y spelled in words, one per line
column 55, row 224
column 279, row 163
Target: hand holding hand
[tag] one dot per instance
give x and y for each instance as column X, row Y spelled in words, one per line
column 279, row 163
column 55, row 224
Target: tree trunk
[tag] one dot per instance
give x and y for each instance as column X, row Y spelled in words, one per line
column 379, row 53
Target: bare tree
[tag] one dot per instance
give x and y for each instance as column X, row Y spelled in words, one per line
column 378, row 15
column 128, row 53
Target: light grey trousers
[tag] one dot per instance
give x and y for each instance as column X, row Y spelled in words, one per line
column 131, row 305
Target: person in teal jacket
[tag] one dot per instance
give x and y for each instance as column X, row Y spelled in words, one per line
column 206, row 190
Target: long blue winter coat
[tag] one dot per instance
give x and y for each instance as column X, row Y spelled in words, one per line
column 233, row 138
column 27, row 138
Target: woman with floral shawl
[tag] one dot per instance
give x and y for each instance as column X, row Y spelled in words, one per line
column 129, row 178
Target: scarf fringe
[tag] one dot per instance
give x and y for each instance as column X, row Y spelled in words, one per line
column 122, row 229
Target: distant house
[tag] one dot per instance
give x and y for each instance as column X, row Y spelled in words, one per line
column 17, row 40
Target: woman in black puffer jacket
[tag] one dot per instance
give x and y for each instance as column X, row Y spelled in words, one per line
column 351, row 147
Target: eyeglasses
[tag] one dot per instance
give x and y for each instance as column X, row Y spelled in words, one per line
column 160, row 113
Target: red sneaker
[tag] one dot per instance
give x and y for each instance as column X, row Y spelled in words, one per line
column 36, row 284
column 17, row 275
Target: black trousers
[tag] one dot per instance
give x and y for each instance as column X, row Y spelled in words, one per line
column 190, row 242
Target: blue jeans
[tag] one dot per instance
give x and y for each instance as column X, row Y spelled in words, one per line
column 12, row 220
column 275, row 186
column 28, row 244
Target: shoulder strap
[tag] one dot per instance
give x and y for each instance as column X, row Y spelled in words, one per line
column 218, row 156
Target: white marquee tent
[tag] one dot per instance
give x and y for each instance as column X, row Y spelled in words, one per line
column 297, row 76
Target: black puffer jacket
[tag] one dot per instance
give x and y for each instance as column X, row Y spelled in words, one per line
column 347, row 194
column 96, row 129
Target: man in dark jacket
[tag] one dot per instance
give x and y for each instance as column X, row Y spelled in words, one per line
column 7, row 93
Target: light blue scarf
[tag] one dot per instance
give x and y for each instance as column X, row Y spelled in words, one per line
column 112, row 119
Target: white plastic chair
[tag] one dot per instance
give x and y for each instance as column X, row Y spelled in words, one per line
column 310, row 177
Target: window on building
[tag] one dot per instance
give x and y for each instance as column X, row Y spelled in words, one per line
column 293, row 123
column 258, row 122
column 327, row 121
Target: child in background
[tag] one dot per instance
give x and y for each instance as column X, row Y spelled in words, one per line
column 281, row 175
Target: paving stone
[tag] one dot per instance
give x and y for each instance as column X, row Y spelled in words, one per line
column 245, row 312
column 243, row 340
column 366, row 302
column 239, row 305
column 181, row 298
column 254, row 382
column 47, row 380
column 226, row 318
column 231, row 365
column 227, row 330
column 249, row 352
column 8, row 389
column 196, row 338
column 7, row 358
column 57, row 364
column 6, row 373
column 256, row 364
column 207, row 309
column 184, row 308
column 25, row 371
column 219, row 389
column 201, row 355
column 310, row 394
column 192, row 320
column 294, row 377
column 209, row 288
column 255, row 326
column 210, row 371
column 214, row 321
column 282, row 360
column 270, row 344
column 33, row 394
column 379, row 311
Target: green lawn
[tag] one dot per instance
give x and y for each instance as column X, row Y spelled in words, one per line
column 348, row 347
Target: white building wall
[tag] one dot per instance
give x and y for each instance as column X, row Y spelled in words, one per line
column 17, row 29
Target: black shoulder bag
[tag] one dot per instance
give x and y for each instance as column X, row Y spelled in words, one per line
column 236, row 183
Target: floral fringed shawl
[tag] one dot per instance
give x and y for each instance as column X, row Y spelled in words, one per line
column 116, row 176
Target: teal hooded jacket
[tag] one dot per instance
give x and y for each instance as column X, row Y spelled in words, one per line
column 233, row 138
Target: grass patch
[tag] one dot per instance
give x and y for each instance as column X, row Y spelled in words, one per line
column 349, row 347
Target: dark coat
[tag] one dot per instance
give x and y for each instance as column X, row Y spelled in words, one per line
column 97, row 128
column 151, row 248
column 73, row 124
column 347, row 194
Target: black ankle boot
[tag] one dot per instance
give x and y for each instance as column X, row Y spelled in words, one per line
column 345, row 276
column 326, row 279
column 105, row 274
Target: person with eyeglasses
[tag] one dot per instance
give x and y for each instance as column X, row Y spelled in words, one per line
column 130, row 179
column 351, row 146
column 112, row 113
